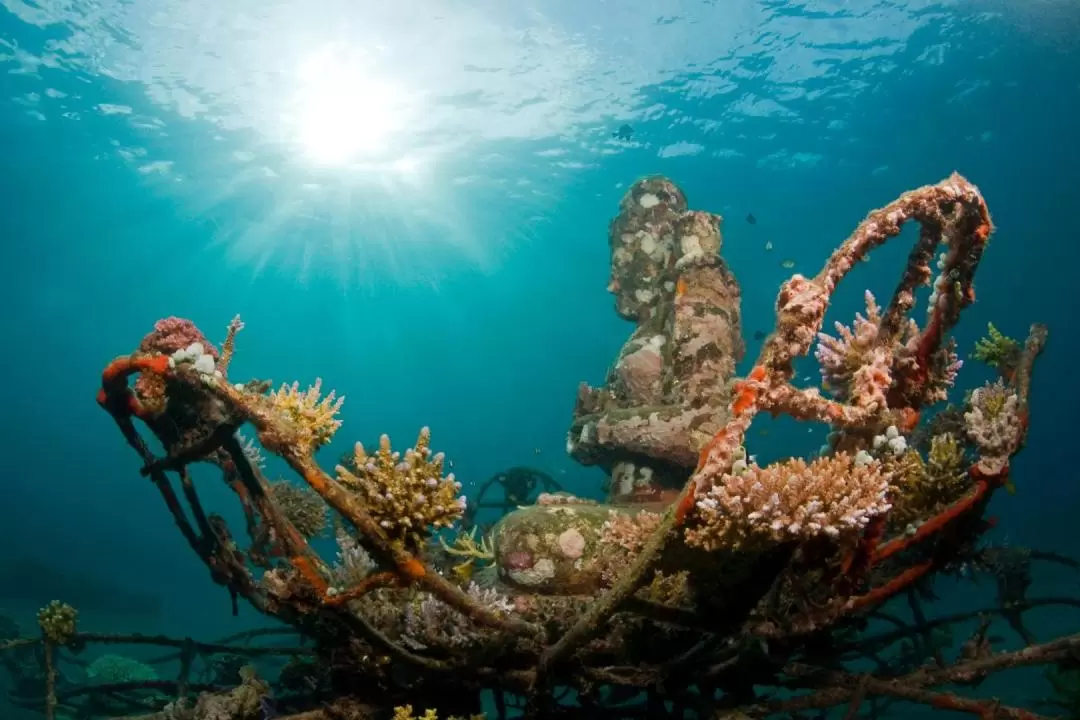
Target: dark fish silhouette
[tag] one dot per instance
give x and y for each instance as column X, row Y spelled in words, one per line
column 35, row 582
column 759, row 334
column 751, row 219
column 625, row 132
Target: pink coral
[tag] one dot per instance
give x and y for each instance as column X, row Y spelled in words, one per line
column 791, row 500
column 572, row 543
column 629, row 532
column 847, row 361
column 173, row 333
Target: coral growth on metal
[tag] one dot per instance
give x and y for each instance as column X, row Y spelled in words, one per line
column 704, row 582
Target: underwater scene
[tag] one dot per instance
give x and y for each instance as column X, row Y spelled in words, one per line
column 598, row 360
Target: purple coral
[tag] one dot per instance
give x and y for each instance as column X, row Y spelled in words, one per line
column 841, row 358
column 174, row 333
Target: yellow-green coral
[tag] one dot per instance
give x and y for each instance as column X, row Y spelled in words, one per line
column 301, row 506
column 409, row 497
column 996, row 349
column 920, row 487
column 991, row 399
column 312, row 418
column 57, row 621
column 405, row 712
column 467, row 547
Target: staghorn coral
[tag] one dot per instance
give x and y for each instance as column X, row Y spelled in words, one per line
column 229, row 346
column 994, row 424
column 311, row 417
column 407, row 496
column 790, row 500
column 301, row 506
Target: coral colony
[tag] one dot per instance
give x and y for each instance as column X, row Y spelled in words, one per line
column 704, row 585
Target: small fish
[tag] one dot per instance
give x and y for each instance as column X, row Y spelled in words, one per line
column 763, row 432
column 625, row 132
column 450, row 464
column 787, row 264
column 751, row 219
column 1010, row 487
column 768, row 246
column 536, row 451
column 760, row 334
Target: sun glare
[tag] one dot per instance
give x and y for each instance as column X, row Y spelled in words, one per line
column 344, row 111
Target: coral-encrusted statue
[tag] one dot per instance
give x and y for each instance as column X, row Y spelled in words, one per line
column 668, row 390
column 708, row 577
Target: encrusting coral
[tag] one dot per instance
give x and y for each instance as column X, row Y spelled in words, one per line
column 119, row 669
column 408, row 496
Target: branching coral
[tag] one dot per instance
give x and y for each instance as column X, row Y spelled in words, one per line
column 624, row 536
column 229, row 346
column 302, row 507
column 844, row 358
column 428, row 620
column 998, row 350
column 470, row 551
column 922, row 487
column 377, row 633
column 791, row 500
column 58, row 621
column 354, row 564
column 311, row 417
column 863, row 366
column 409, row 497
column 994, row 424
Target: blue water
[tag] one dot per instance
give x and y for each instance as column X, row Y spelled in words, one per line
column 412, row 203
